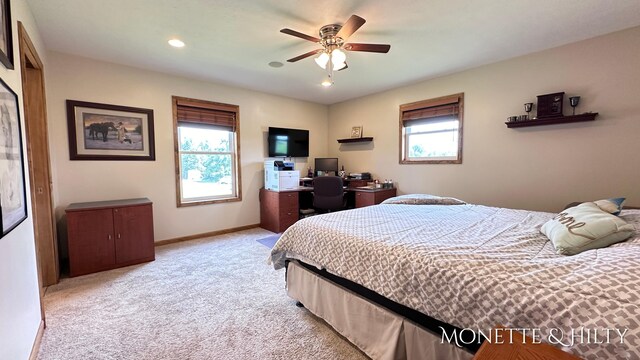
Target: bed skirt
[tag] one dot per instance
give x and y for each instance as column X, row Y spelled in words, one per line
column 378, row 332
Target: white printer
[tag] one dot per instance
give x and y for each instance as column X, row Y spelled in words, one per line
column 279, row 175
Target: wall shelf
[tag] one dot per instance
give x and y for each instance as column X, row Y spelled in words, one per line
column 552, row 120
column 355, row 140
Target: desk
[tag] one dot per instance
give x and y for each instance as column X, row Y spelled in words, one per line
column 348, row 182
column 279, row 210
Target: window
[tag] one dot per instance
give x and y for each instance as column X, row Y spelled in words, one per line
column 207, row 152
column 431, row 131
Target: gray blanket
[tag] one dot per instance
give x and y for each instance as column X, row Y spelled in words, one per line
column 475, row 266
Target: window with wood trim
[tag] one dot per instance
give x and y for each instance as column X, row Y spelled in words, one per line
column 431, row 131
column 207, row 152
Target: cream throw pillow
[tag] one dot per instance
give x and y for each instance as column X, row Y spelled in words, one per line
column 585, row 227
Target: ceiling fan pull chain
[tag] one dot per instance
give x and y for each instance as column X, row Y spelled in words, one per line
column 330, row 69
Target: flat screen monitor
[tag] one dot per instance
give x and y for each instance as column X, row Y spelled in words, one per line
column 288, row 142
column 326, row 165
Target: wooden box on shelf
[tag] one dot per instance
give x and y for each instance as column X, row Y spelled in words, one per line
column 105, row 235
column 550, row 105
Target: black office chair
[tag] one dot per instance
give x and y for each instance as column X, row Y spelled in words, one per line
column 328, row 193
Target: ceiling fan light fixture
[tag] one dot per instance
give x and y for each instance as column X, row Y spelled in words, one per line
column 322, row 60
column 328, row 81
column 339, row 66
column 338, row 57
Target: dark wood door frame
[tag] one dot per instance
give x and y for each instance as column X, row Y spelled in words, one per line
column 35, row 118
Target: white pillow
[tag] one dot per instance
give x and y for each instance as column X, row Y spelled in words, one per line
column 585, row 227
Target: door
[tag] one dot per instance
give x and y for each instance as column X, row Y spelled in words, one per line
column 133, row 233
column 364, row 199
column 91, row 241
column 35, row 119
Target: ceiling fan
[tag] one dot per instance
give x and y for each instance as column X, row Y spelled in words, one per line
column 333, row 39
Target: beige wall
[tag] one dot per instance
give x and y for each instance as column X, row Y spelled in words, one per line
column 540, row 168
column 71, row 77
column 19, row 299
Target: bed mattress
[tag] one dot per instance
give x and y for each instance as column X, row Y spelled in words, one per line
column 474, row 266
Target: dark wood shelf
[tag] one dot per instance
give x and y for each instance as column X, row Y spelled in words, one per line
column 552, row 120
column 355, row 140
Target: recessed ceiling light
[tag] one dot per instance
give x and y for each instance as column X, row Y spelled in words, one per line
column 326, row 83
column 176, row 43
column 276, row 64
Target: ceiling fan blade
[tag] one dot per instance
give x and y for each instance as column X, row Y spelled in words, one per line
column 354, row 23
column 300, row 35
column 378, row 48
column 305, row 55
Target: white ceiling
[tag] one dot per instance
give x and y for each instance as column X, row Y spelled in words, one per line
column 232, row 41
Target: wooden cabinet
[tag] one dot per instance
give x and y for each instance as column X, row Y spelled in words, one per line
column 372, row 197
column 109, row 234
column 278, row 210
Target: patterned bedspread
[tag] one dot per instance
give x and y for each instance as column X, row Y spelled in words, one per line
column 475, row 266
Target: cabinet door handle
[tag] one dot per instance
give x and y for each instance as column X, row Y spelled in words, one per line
column 118, row 235
column 109, row 236
column 288, row 213
column 115, row 210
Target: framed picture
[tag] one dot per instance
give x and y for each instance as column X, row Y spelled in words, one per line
column 6, row 38
column 356, row 132
column 109, row 132
column 13, row 197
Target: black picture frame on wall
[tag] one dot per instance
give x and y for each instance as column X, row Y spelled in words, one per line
column 6, row 35
column 109, row 132
column 13, row 195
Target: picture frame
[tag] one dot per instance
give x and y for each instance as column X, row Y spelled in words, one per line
column 13, row 196
column 6, row 35
column 109, row 132
column 356, row 132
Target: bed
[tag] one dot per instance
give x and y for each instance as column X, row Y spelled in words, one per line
column 399, row 280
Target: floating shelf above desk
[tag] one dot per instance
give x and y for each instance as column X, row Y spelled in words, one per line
column 355, row 140
column 552, row 120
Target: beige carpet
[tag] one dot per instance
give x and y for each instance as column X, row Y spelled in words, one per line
column 214, row 298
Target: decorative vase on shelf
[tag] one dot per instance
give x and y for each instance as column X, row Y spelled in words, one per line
column 342, row 173
column 574, row 101
column 527, row 108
